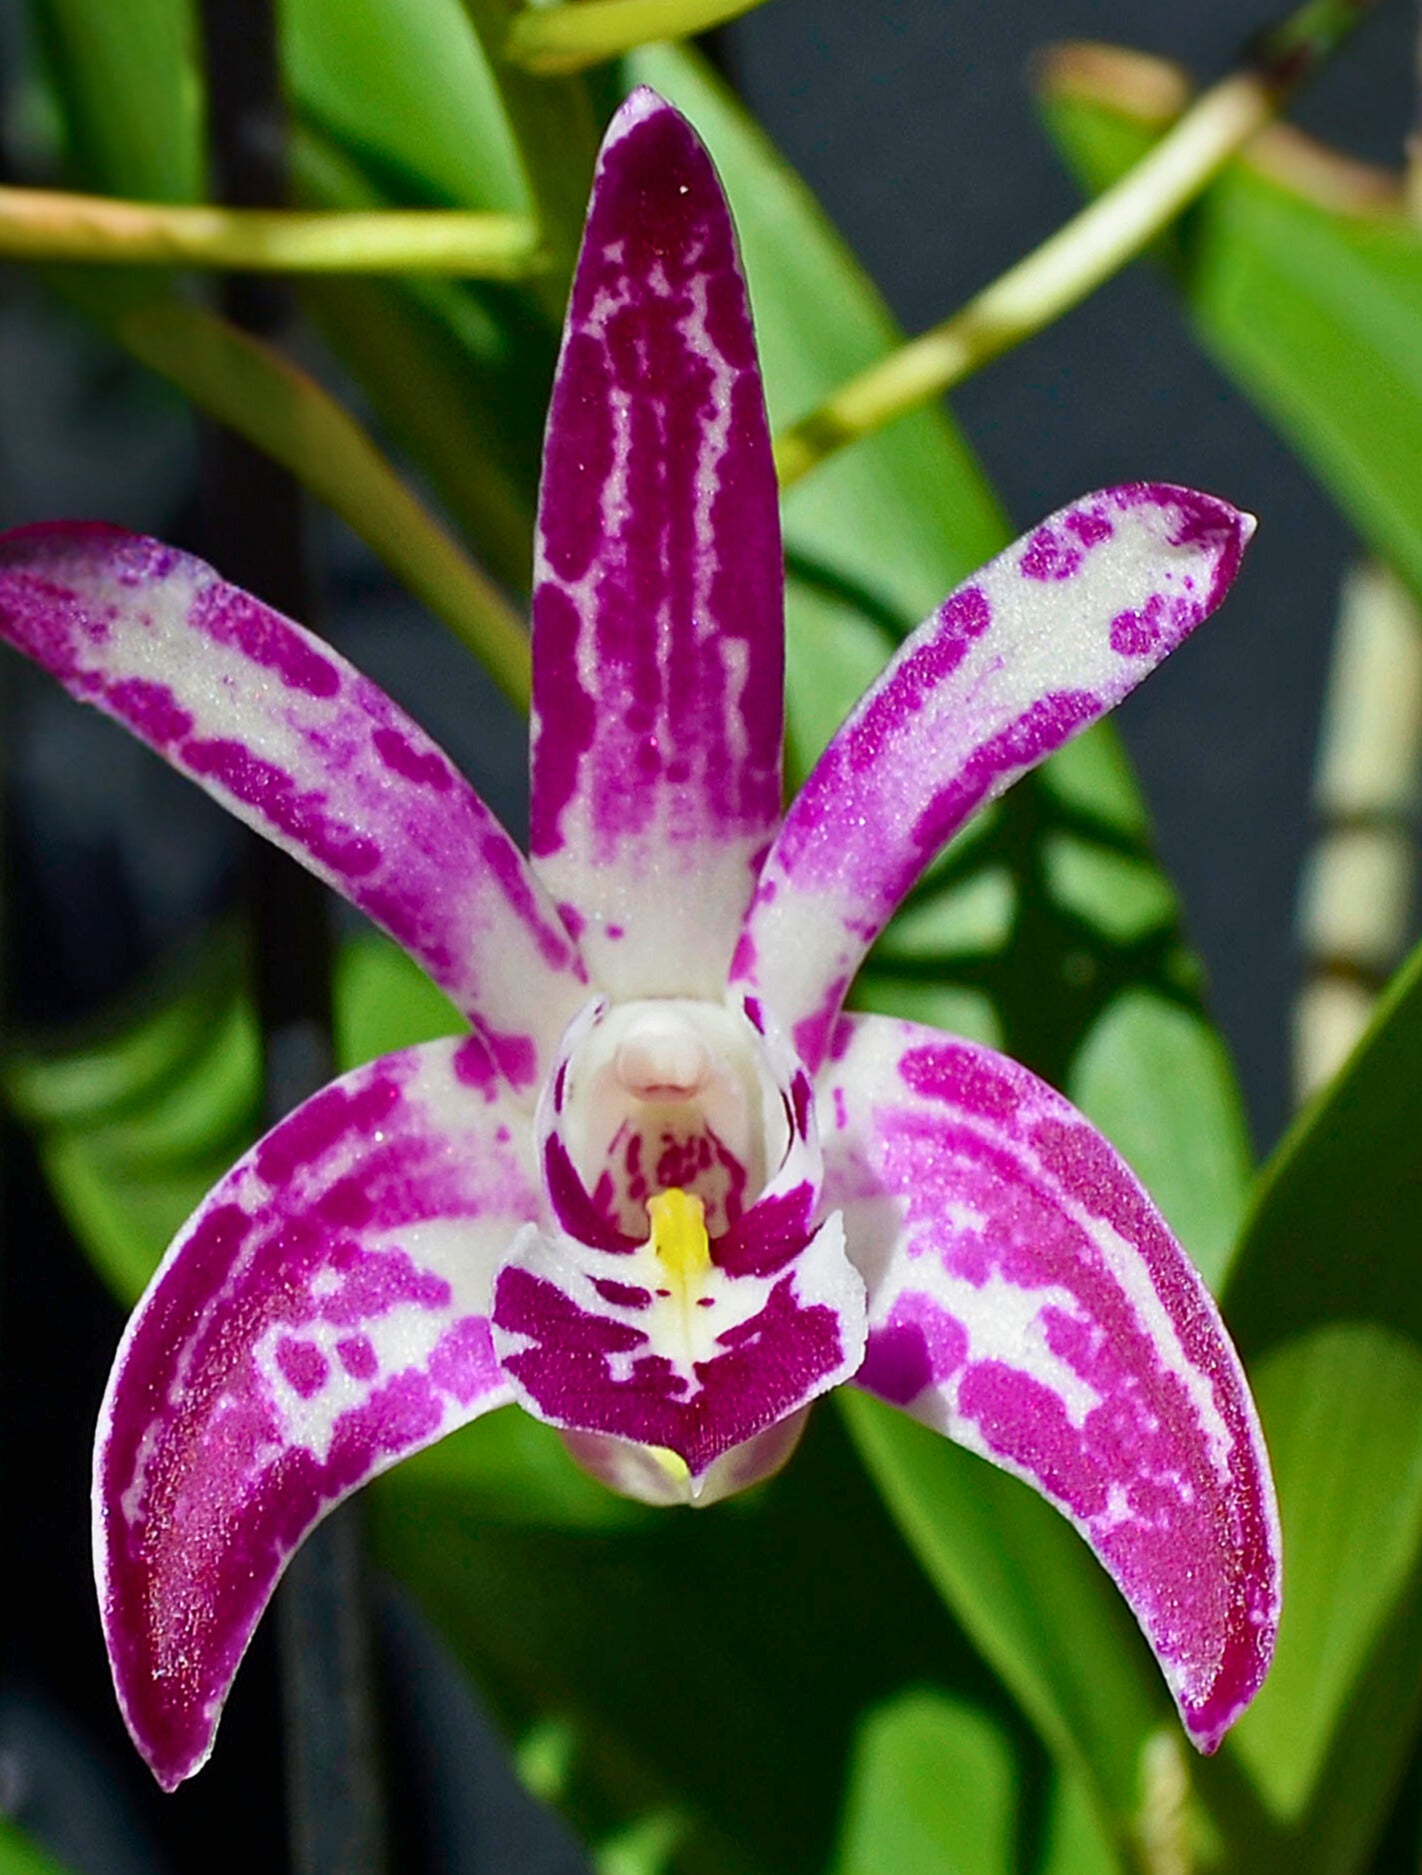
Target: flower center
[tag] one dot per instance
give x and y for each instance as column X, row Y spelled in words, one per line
column 668, row 1099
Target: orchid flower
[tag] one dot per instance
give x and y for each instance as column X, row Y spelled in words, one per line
column 665, row 1194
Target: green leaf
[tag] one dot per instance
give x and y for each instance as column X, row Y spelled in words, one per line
column 715, row 1664
column 555, row 132
column 1074, row 1844
column 20, row 1855
column 510, row 1468
column 136, row 1121
column 408, row 91
column 138, row 1118
column 1192, row 1154
column 1313, row 306
column 1334, row 1231
column 129, row 92
column 1324, row 1302
column 384, row 1001
column 1031, row 1596
column 256, row 391
column 932, row 1791
column 1342, row 1410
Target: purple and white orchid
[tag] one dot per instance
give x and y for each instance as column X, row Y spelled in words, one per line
column 665, row 1194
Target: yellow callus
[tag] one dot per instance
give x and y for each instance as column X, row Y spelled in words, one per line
column 679, row 1237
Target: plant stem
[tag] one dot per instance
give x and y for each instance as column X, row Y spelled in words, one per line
column 46, row 224
column 1085, row 252
column 335, row 1798
column 1357, row 888
column 567, row 37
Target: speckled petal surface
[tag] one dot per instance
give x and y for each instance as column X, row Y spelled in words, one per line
column 1045, row 639
column 323, row 1314
column 599, row 1334
column 1027, row 1299
column 285, row 734
column 657, row 611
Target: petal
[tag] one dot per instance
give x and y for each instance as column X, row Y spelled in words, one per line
column 321, row 1315
column 657, row 614
column 1027, row 1299
column 598, row 1336
column 1046, row 638
column 291, row 739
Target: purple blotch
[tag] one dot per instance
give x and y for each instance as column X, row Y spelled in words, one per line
column 425, row 767
column 229, row 616
column 304, row 1366
column 356, row 1354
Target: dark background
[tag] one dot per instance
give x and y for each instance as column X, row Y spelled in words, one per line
column 912, row 120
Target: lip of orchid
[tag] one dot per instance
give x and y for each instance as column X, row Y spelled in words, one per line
column 665, row 1195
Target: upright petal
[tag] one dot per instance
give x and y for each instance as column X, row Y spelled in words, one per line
column 291, row 739
column 1027, row 1299
column 1046, row 638
column 657, row 609
column 323, row 1314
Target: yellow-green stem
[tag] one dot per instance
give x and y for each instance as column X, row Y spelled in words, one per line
column 1050, row 280
column 578, row 33
column 43, row 224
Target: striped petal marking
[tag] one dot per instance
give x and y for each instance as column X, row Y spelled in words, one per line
column 1027, row 1299
column 294, row 741
column 737, row 1307
column 658, row 586
column 322, row 1315
column 1045, row 639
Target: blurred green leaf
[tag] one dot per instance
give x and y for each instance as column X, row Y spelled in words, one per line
column 713, row 1663
column 408, row 91
column 932, row 1791
column 1073, row 1843
column 1193, row 1154
column 511, row 1468
column 1314, row 308
column 1324, row 1302
column 20, row 1855
column 384, row 1001
column 461, row 382
column 1335, row 1233
column 129, row 92
column 138, row 1119
column 555, row 131
column 1342, row 1410
column 255, row 390
column 1031, row 1595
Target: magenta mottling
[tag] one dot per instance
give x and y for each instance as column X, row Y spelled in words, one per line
column 150, row 710
column 304, row 1365
column 285, row 734
column 622, row 1295
column 918, row 1345
column 629, row 732
column 975, row 1139
column 199, row 1433
column 963, row 617
column 302, row 815
column 772, row 1362
column 462, row 1364
column 771, row 1234
column 474, row 1066
column 356, row 1353
column 229, row 616
column 427, row 768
